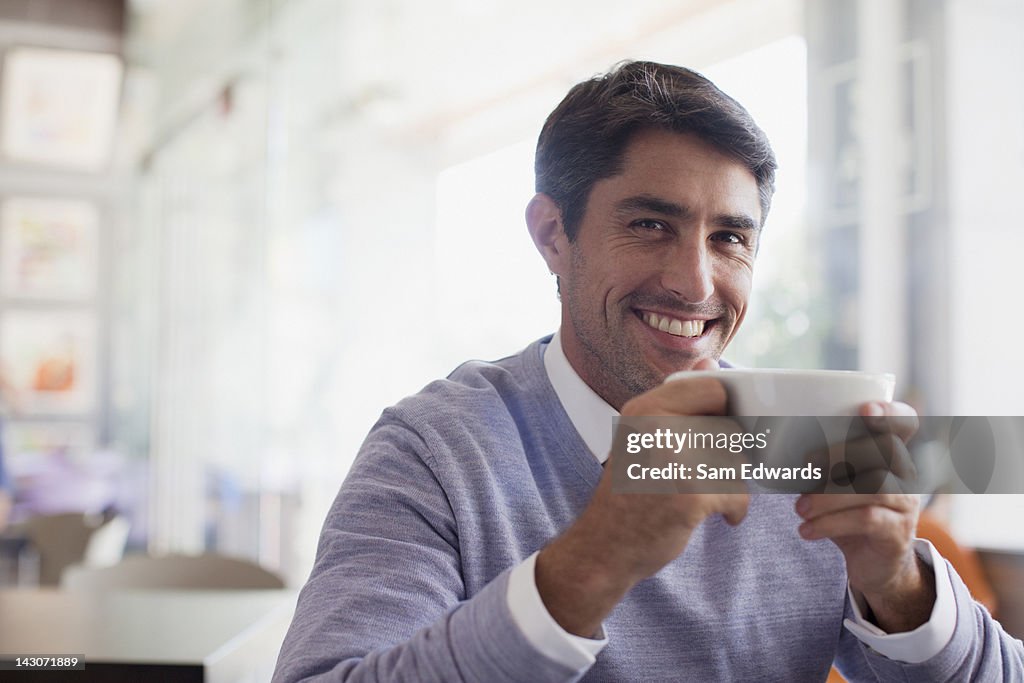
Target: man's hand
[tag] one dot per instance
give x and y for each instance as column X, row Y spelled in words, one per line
column 623, row 538
column 875, row 531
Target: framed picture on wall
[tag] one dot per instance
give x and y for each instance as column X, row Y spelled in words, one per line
column 48, row 249
column 29, row 441
column 59, row 107
column 49, row 359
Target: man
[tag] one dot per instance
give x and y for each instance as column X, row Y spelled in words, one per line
column 477, row 536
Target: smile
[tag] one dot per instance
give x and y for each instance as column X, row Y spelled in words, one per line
column 674, row 326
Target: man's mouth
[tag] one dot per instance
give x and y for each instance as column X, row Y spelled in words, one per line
column 674, row 326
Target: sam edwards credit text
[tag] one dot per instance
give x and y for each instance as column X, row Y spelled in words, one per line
column 703, row 471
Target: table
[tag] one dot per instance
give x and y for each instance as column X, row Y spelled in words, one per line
column 214, row 636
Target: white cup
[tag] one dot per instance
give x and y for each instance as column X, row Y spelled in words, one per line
column 783, row 392
column 768, row 400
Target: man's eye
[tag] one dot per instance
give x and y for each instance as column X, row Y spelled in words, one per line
column 650, row 224
column 729, row 237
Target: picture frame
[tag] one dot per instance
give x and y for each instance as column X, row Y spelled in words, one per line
column 49, row 249
column 26, row 442
column 49, row 359
column 59, row 107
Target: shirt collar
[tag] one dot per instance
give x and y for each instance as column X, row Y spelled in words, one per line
column 589, row 413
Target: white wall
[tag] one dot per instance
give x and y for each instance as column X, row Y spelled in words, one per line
column 985, row 60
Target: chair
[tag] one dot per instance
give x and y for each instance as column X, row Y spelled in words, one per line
column 69, row 538
column 106, row 545
column 210, row 571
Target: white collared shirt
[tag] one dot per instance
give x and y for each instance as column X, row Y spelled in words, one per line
column 592, row 417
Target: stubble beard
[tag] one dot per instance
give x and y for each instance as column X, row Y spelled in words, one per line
column 613, row 364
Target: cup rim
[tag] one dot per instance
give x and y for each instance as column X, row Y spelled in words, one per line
column 819, row 373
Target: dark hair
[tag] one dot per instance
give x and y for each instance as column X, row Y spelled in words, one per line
column 585, row 137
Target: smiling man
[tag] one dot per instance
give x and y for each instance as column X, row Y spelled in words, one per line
column 478, row 536
column 656, row 276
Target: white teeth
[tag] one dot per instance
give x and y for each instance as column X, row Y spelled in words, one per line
column 678, row 328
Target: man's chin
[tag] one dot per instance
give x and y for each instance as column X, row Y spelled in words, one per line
column 702, row 363
column 662, row 369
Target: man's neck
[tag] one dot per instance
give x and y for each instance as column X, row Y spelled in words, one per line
column 590, row 414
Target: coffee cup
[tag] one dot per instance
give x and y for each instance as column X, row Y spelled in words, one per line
column 802, row 414
column 785, row 392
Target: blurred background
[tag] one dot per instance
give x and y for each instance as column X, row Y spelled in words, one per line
column 233, row 231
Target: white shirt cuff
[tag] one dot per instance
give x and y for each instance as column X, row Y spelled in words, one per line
column 924, row 642
column 540, row 628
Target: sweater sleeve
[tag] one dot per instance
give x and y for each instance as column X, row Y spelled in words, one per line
column 979, row 650
column 386, row 600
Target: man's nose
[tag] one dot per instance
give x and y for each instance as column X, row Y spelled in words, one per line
column 687, row 273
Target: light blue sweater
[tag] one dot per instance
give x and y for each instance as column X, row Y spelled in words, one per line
column 458, row 484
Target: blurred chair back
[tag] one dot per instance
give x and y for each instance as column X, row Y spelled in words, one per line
column 69, row 538
column 106, row 546
column 209, row 571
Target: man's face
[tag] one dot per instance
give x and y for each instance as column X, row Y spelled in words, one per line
column 659, row 275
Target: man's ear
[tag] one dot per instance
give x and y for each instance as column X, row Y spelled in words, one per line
column 544, row 220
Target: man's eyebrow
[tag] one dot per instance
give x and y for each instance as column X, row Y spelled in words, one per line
column 643, row 202
column 646, row 202
column 739, row 221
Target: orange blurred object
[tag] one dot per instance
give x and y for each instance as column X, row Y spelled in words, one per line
column 54, row 374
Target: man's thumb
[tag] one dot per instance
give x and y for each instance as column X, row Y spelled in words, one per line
column 706, row 364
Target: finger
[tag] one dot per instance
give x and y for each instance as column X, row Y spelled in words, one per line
column 897, row 418
column 735, row 507
column 683, row 396
column 865, row 482
column 707, row 364
column 886, row 452
column 872, row 520
column 873, row 481
column 714, row 471
column 812, row 506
